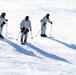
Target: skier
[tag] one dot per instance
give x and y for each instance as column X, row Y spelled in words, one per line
column 25, row 26
column 43, row 24
column 2, row 22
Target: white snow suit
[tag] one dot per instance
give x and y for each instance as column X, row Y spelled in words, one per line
column 43, row 24
column 1, row 21
column 26, row 25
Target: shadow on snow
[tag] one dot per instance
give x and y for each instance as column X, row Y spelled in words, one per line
column 20, row 49
column 47, row 54
column 72, row 46
column 24, row 51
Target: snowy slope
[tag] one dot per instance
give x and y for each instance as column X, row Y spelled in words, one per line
column 39, row 56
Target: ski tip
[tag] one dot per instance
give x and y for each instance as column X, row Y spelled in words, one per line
column 1, row 37
column 51, row 37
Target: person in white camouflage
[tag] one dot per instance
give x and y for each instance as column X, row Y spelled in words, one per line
column 25, row 26
column 2, row 23
column 43, row 25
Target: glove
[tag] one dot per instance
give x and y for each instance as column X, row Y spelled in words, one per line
column 3, row 24
column 30, row 29
column 51, row 22
column 6, row 19
column 26, row 31
column 22, row 29
column 44, row 24
column 41, row 20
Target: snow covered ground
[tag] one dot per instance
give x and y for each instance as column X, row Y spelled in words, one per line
column 39, row 56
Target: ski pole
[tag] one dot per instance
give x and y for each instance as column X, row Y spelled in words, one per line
column 31, row 34
column 18, row 36
column 51, row 31
column 6, row 28
column 39, row 31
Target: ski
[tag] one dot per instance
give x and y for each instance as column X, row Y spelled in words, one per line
column 22, row 43
column 1, row 38
column 8, row 37
column 51, row 37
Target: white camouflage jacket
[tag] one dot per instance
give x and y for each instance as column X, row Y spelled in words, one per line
column 26, row 24
column 2, row 20
column 45, row 20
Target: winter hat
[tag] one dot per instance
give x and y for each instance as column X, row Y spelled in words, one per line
column 3, row 13
column 48, row 14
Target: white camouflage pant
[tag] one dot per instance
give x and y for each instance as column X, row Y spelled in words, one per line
column 1, row 29
column 24, row 36
column 43, row 29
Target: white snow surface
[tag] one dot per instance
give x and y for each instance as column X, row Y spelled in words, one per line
column 39, row 56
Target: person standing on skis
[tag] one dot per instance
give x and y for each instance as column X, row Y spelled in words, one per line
column 25, row 26
column 43, row 25
column 2, row 23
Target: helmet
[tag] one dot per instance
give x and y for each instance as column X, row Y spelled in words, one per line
column 3, row 13
column 27, row 17
column 48, row 14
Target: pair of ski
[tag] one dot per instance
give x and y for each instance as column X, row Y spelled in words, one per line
column 23, row 43
column 50, row 37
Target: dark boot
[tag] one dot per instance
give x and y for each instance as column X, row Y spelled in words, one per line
column 43, row 35
column 1, row 36
column 21, row 40
column 25, row 40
